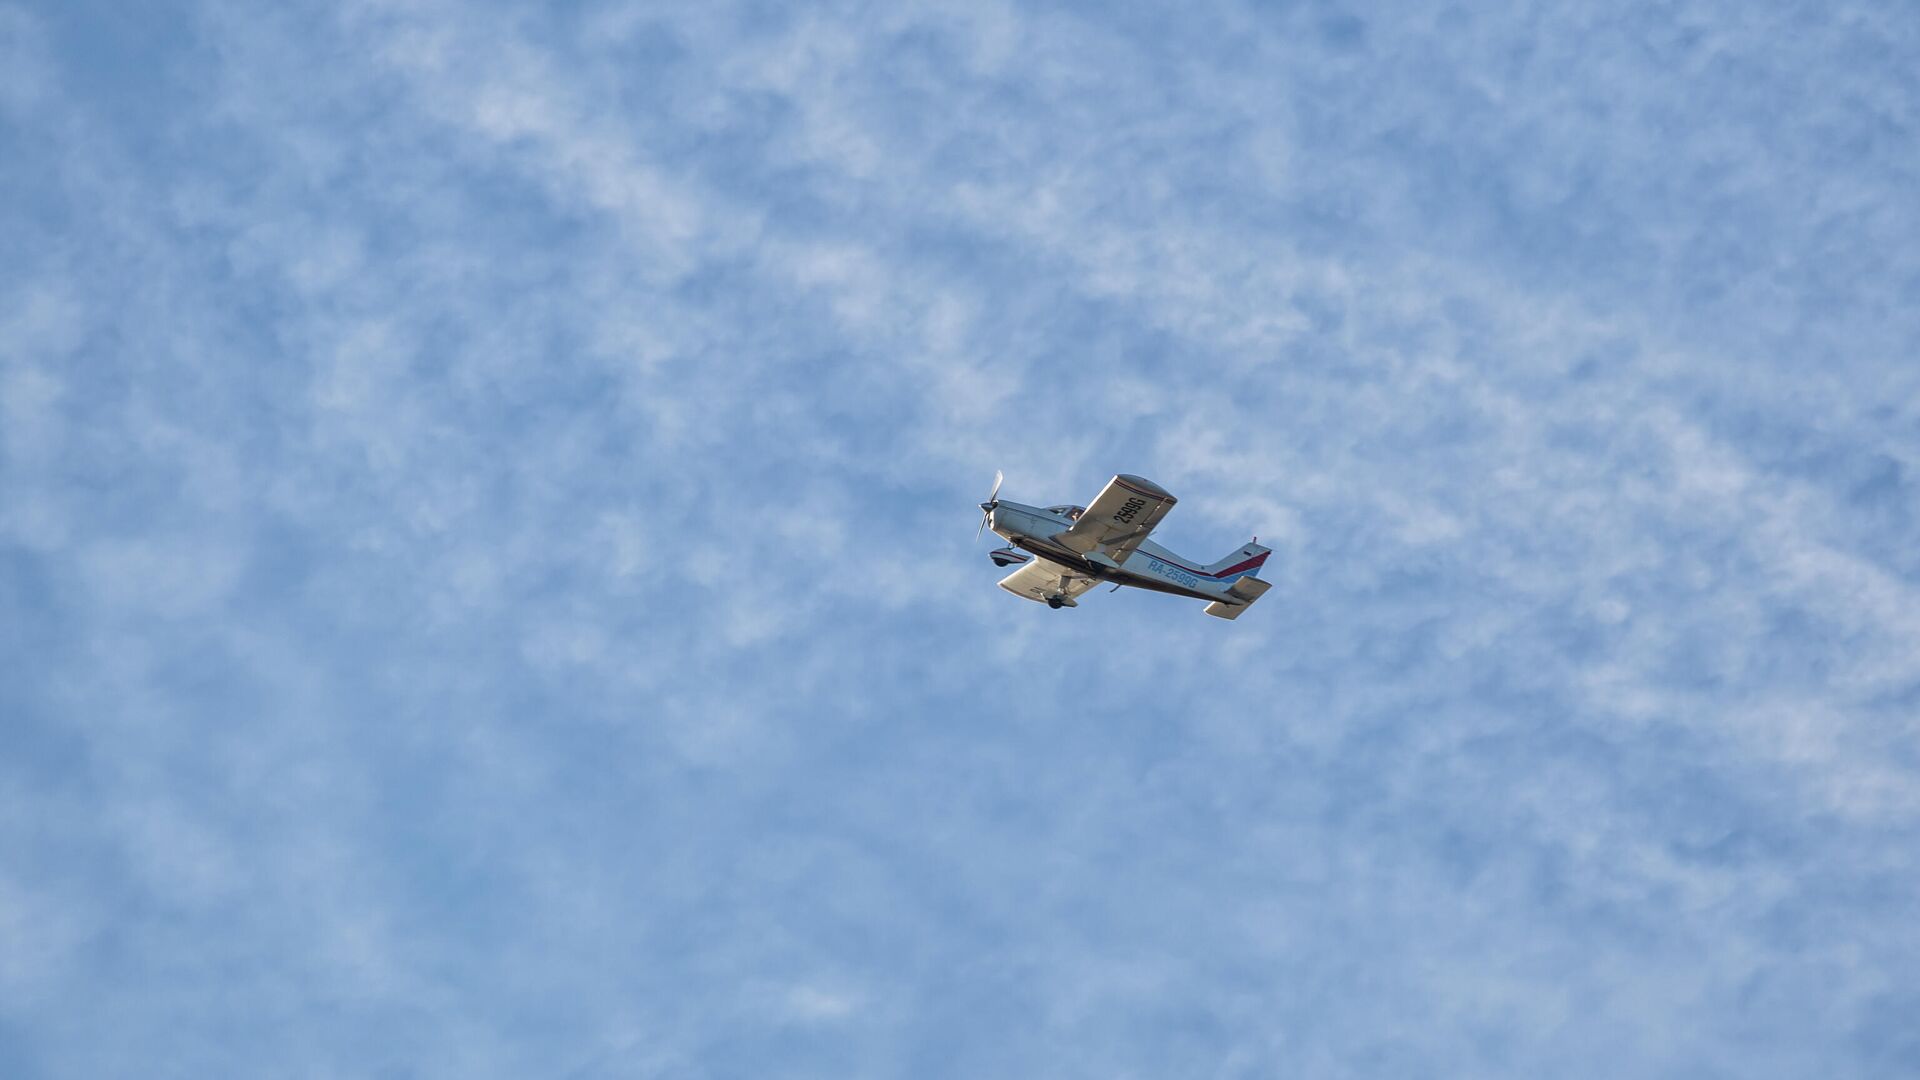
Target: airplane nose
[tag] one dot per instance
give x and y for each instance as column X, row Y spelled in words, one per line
column 986, row 517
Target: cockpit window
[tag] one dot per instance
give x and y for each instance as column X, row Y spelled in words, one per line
column 1072, row 512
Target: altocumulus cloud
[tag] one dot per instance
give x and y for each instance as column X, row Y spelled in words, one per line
column 484, row 568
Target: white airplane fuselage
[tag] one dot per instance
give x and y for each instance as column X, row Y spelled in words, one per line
column 1033, row 528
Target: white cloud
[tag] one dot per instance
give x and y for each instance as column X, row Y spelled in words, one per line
column 490, row 492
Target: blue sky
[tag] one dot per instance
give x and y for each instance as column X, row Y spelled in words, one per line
column 487, row 491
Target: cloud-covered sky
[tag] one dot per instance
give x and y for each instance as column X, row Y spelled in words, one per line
column 486, row 515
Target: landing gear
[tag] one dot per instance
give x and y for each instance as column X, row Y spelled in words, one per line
column 1055, row 603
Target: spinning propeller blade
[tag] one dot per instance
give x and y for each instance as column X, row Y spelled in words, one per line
column 986, row 508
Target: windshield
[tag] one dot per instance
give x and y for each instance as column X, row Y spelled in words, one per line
column 1072, row 512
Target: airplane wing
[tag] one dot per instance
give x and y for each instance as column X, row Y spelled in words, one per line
column 1126, row 510
column 1041, row 579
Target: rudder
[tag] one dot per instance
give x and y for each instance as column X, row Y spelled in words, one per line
column 1245, row 561
column 1239, row 572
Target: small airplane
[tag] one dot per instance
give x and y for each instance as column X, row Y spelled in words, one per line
column 1074, row 548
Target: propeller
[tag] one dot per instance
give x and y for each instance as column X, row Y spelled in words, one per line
column 986, row 508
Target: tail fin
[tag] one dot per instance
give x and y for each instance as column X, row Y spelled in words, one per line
column 1244, row 562
column 1240, row 573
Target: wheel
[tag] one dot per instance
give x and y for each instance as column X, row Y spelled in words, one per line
column 1054, row 603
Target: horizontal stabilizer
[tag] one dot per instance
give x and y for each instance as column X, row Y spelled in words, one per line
column 1241, row 595
column 1249, row 589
